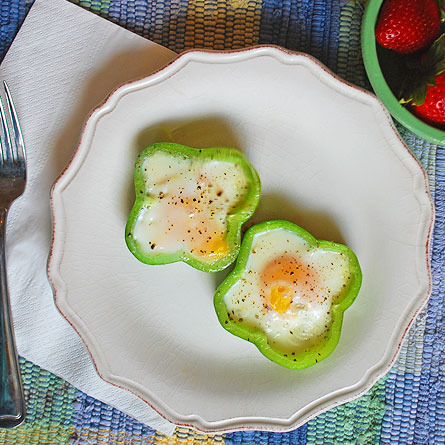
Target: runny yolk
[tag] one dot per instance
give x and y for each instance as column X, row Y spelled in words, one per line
column 281, row 278
column 280, row 298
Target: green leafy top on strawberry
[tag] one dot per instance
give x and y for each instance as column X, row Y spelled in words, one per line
column 441, row 4
column 423, row 73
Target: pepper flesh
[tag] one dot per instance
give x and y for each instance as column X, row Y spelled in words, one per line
column 186, row 211
column 279, row 296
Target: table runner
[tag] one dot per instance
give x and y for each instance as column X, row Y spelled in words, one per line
column 407, row 405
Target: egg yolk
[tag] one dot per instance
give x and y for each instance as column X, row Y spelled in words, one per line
column 216, row 247
column 189, row 219
column 280, row 298
column 283, row 277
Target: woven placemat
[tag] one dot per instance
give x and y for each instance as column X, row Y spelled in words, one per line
column 406, row 406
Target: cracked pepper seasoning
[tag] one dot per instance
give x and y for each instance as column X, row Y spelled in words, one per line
column 190, row 205
column 288, row 292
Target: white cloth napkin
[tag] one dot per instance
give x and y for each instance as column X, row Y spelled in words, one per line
column 63, row 62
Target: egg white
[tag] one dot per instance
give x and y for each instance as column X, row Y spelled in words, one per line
column 309, row 316
column 169, row 178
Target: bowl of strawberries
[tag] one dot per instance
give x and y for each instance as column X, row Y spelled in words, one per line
column 403, row 46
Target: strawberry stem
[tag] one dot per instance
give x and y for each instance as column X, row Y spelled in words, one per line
column 441, row 4
column 423, row 73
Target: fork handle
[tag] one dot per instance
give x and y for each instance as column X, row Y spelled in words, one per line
column 12, row 402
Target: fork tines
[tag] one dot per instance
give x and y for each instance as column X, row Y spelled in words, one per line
column 10, row 152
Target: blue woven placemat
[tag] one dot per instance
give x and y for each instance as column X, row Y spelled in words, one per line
column 407, row 405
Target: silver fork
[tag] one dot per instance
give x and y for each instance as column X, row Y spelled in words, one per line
column 12, row 185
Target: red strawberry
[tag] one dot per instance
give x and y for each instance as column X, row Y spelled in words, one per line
column 408, row 26
column 433, row 108
column 424, row 88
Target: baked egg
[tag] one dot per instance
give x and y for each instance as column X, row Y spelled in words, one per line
column 288, row 292
column 190, row 205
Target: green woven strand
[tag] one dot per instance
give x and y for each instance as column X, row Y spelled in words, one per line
column 50, row 409
column 349, row 59
column 190, row 437
column 219, row 24
column 356, row 422
column 100, row 7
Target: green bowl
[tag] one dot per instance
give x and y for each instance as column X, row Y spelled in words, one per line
column 378, row 60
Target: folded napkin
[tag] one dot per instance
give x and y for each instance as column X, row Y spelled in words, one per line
column 63, row 62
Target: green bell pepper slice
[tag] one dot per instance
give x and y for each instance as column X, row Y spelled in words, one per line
column 317, row 349
column 248, row 198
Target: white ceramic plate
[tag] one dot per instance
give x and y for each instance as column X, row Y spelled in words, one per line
column 329, row 160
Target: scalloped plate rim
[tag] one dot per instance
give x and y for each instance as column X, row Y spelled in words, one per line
column 318, row 406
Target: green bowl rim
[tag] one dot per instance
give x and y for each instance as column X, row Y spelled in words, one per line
column 381, row 89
